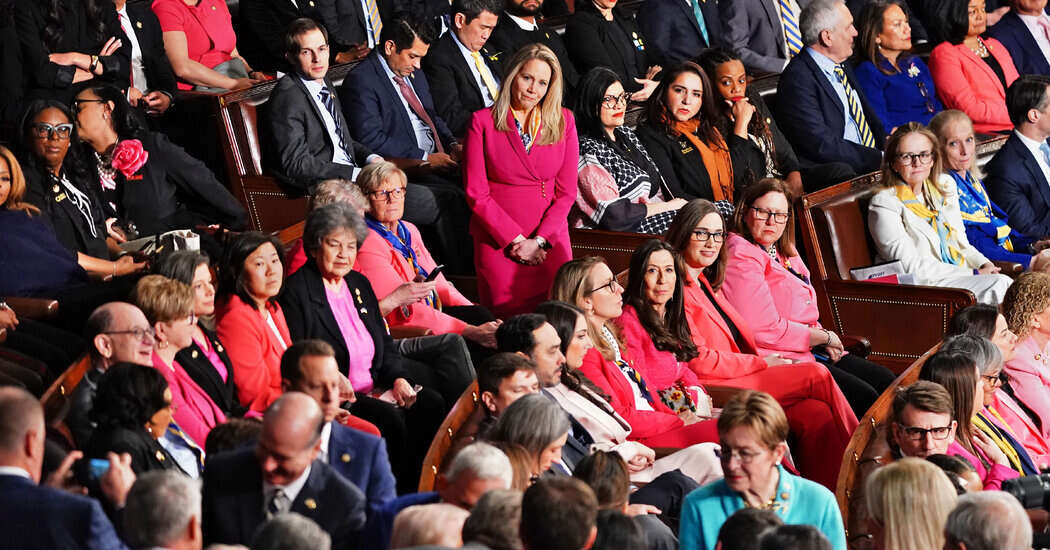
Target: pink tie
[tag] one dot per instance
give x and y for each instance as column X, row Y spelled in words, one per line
column 1045, row 24
column 417, row 108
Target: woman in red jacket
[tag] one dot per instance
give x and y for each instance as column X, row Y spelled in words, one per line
column 819, row 414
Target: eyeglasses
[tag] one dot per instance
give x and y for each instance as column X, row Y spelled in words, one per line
column 612, row 285
column 918, row 434
column 923, row 158
column 46, row 131
column 387, row 195
column 993, row 380
column 703, row 235
column 765, row 215
column 78, row 102
column 613, row 101
column 140, row 333
column 726, row 454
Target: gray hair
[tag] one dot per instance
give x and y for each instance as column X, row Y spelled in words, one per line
column 494, row 520
column 291, row 531
column 817, row 17
column 438, row 524
column 338, row 190
column 484, row 461
column 159, row 507
column 983, row 352
column 329, row 218
column 989, row 520
column 374, row 174
column 533, row 421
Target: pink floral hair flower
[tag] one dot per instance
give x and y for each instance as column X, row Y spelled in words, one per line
column 129, row 157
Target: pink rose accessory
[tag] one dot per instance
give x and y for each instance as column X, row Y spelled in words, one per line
column 129, row 157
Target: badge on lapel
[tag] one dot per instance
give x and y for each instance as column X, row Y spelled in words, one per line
column 310, row 504
column 138, row 24
column 345, row 457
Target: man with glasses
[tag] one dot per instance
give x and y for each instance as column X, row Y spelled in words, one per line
column 922, row 420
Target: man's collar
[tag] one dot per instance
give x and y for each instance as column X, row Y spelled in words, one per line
column 525, row 25
column 15, row 471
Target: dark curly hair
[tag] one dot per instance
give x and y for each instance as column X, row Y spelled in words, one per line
column 128, row 396
column 710, row 60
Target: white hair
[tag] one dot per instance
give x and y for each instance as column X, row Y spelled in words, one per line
column 989, row 520
column 159, row 507
column 484, row 461
column 817, row 17
column 438, row 524
column 291, row 531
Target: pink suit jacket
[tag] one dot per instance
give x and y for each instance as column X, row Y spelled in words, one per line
column 778, row 306
column 965, row 82
column 993, row 477
column 1030, row 378
column 720, row 356
column 513, row 192
column 660, row 369
column 195, row 412
column 387, row 269
column 1022, row 428
column 254, row 350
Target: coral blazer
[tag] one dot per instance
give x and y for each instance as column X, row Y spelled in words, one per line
column 387, row 269
column 720, row 356
column 965, row 82
column 1030, row 378
column 774, row 302
column 254, row 350
column 659, row 368
column 195, row 412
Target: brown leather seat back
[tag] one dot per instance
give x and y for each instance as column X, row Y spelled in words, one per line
column 841, row 222
column 615, row 247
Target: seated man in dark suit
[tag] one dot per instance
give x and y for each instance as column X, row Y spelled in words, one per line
column 152, row 78
column 244, row 488
column 1023, row 30
column 765, row 33
column 309, row 366
column 463, row 74
column 357, row 28
column 36, row 516
column 260, row 35
column 1018, row 176
column 825, row 115
column 518, row 27
column 678, row 30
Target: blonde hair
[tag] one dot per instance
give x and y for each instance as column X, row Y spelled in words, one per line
column 890, row 178
column 338, row 190
column 572, row 283
column 911, row 498
column 939, row 125
column 552, row 119
column 373, row 175
column 18, row 185
column 758, row 411
column 1028, row 296
column 162, row 299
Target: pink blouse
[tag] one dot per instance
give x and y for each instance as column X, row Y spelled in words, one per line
column 355, row 334
column 194, row 411
column 994, row 477
column 213, row 357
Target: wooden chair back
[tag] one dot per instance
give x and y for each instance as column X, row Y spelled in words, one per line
column 463, row 412
column 614, row 246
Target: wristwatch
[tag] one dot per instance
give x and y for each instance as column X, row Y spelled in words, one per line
column 94, row 63
column 542, row 242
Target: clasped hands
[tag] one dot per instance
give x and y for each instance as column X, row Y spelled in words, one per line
column 526, row 251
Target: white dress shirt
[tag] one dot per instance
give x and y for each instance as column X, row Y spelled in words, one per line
column 326, row 437
column 339, row 156
column 1040, row 158
column 424, row 138
column 1032, row 22
column 489, row 100
column 14, row 471
column 138, row 72
column 291, row 490
column 525, row 25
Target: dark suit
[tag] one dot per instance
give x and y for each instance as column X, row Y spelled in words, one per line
column 618, row 44
column 260, row 35
column 361, row 458
column 42, row 518
column 72, row 229
column 159, row 74
column 351, row 28
column 146, row 453
column 455, row 90
column 682, row 167
column 372, row 106
column 300, row 139
column 754, row 28
column 12, row 85
column 80, row 404
column 196, row 364
column 507, row 38
column 1014, row 34
column 673, row 33
column 233, row 502
column 814, row 120
column 1016, row 183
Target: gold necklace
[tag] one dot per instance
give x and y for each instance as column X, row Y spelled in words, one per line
column 771, row 504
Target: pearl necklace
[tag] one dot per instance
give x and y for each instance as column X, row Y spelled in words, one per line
column 981, row 50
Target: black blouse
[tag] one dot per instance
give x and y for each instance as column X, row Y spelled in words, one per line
column 79, row 228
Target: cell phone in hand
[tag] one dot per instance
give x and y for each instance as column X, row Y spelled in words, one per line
column 434, row 273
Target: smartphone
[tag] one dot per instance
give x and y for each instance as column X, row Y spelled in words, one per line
column 434, row 273
column 88, row 472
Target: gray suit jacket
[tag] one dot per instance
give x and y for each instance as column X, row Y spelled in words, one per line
column 753, row 28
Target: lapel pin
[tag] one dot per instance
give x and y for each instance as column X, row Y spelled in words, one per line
column 364, row 311
column 194, row 354
column 219, row 347
column 214, row 8
column 160, row 456
column 138, row 24
column 784, row 496
column 310, row 504
column 345, row 457
column 55, row 189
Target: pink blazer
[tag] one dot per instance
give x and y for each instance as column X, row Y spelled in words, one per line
column 993, row 477
column 387, row 269
column 195, row 412
column 660, row 369
column 1021, row 427
column 965, row 82
column 1029, row 374
column 254, row 350
column 513, row 192
column 777, row 305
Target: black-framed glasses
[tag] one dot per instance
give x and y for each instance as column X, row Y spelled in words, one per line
column 613, row 101
column 765, row 215
column 387, row 195
column 703, row 235
column 612, row 285
column 47, row 131
column 993, row 380
column 78, row 102
column 140, row 333
column 915, row 433
column 923, row 158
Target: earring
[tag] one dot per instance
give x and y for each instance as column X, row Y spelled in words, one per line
column 162, row 344
column 149, row 428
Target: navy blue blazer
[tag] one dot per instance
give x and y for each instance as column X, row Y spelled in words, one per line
column 672, row 33
column 1015, row 183
column 233, row 501
column 42, row 518
column 1014, row 34
column 377, row 118
column 813, row 120
column 361, row 458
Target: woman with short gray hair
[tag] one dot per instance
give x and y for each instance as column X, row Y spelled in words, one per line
column 538, row 425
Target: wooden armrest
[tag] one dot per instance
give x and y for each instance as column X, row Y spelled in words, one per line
column 857, row 345
column 408, row 331
column 721, row 394
column 33, row 308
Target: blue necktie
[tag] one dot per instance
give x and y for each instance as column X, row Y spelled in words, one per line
column 856, row 110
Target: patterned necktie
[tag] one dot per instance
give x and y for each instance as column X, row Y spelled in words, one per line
column 789, row 19
column 329, row 103
column 485, row 76
column 700, row 20
column 278, row 503
column 856, row 110
column 374, row 20
column 417, row 108
column 633, row 375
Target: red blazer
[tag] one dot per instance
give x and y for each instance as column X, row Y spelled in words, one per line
column 965, row 82
column 720, row 357
column 608, row 377
column 254, row 350
column 660, row 369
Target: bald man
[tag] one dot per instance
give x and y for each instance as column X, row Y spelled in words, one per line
column 41, row 517
column 244, row 488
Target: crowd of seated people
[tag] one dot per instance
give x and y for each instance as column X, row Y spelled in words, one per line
column 276, row 395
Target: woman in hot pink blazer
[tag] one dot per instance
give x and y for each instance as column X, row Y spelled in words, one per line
column 962, row 70
column 1026, row 306
column 520, row 161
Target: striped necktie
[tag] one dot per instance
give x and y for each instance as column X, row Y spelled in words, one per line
column 485, row 76
column 326, row 98
column 374, row 20
column 789, row 19
column 856, row 110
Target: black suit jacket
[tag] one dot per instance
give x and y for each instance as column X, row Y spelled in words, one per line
column 308, row 315
column 260, row 35
column 507, row 38
column 71, row 228
column 233, row 501
column 673, row 33
column 12, row 85
column 159, row 74
column 200, row 369
column 1017, row 184
column 351, row 27
column 455, row 90
column 814, row 121
column 39, row 517
column 146, row 454
column 682, row 167
column 592, row 42
column 300, row 140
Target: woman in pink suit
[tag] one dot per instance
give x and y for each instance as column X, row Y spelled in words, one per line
column 520, row 163
column 1026, row 307
column 971, row 73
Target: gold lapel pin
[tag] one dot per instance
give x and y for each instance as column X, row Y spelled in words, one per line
column 194, row 354
column 55, row 189
column 160, row 456
column 310, row 503
column 138, row 24
column 345, row 457
column 784, row 496
column 219, row 347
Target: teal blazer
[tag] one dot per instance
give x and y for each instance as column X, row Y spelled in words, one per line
column 799, row 501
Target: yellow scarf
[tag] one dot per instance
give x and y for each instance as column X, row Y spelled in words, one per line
column 949, row 254
column 530, row 128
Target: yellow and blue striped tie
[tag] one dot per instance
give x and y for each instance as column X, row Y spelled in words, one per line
column 856, row 110
column 791, row 32
column 374, row 20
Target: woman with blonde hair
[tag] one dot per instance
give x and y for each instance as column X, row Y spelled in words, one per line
column 916, row 220
column 908, row 504
column 1026, row 308
column 520, row 159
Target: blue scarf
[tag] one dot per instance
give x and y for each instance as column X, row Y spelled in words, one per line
column 402, row 242
column 977, row 209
